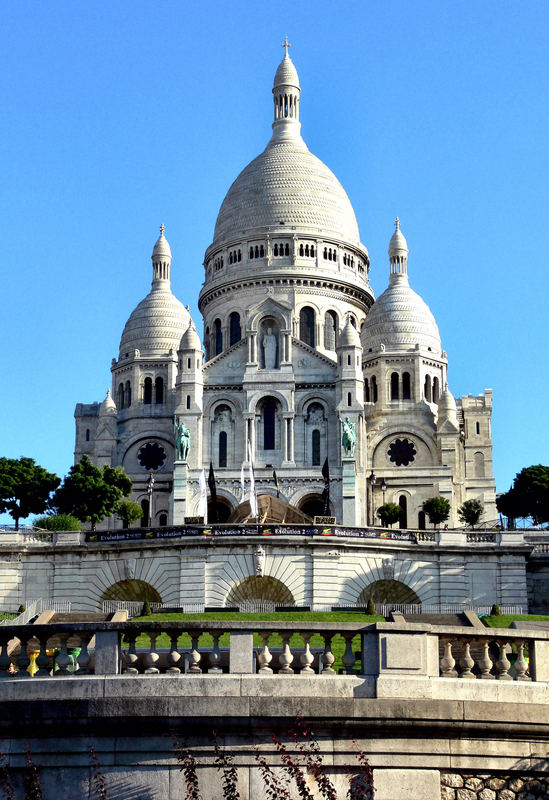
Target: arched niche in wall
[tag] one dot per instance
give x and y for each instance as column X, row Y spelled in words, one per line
column 131, row 590
column 259, row 588
column 388, row 591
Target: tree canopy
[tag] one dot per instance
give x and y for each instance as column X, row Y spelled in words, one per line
column 128, row 512
column 528, row 496
column 92, row 493
column 25, row 487
column 437, row 509
column 470, row 512
column 389, row 513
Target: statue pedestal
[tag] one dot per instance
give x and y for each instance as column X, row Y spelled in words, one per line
column 350, row 501
column 178, row 499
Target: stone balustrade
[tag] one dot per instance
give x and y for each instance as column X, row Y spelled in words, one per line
column 197, row 647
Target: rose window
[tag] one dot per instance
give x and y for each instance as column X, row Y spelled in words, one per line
column 401, row 452
column 151, row 456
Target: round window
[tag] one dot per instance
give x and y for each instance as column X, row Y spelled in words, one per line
column 151, row 456
column 401, row 452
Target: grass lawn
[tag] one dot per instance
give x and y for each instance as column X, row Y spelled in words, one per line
column 275, row 640
column 8, row 615
column 505, row 620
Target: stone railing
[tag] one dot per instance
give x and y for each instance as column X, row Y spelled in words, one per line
column 265, row 648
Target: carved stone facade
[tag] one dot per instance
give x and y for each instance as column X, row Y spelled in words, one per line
column 293, row 346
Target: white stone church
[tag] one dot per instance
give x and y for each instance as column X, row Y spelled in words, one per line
column 294, row 344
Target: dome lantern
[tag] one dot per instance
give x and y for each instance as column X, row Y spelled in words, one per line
column 398, row 252
column 286, row 91
column 161, row 259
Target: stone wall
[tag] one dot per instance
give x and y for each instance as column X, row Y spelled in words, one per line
column 465, row 786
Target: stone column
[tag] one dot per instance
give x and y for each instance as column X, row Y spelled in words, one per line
column 350, row 505
column 178, row 499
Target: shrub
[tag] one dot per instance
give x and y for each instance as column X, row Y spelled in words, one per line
column 146, row 610
column 21, row 608
column 58, row 522
column 389, row 513
column 437, row 509
column 370, row 608
column 495, row 611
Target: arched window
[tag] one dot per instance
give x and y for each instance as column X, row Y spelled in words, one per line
column 330, row 328
column 349, row 399
column 234, row 328
column 222, row 449
column 312, row 251
column 275, row 251
column 421, row 520
column 121, row 396
column 188, row 401
column 286, row 249
column 348, row 359
column 315, row 442
column 406, row 391
column 207, row 343
column 394, row 386
column 325, row 253
column 479, row 465
column 374, row 389
column 163, row 520
column 261, row 251
column 300, row 249
column 403, row 503
column 256, row 251
column 218, row 337
column 145, row 510
column 427, row 388
column 478, row 428
column 159, row 391
column 147, row 391
column 352, row 320
column 307, row 326
column 128, row 394
column 251, row 252
column 269, row 410
column 87, row 434
column 435, row 390
column 366, row 390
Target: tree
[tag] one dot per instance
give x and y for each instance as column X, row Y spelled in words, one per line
column 389, row 513
column 437, row 509
column 58, row 522
column 470, row 512
column 92, row 493
column 25, row 487
column 529, row 495
column 128, row 512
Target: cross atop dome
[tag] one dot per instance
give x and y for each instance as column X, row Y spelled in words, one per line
column 397, row 224
column 162, row 229
column 286, row 44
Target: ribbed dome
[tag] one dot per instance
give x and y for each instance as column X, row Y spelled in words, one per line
column 156, row 325
column 286, row 186
column 108, row 405
column 162, row 246
column 400, row 319
column 190, row 339
column 349, row 336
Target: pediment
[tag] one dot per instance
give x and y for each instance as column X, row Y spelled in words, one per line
column 269, row 306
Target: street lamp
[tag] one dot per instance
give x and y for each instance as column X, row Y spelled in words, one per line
column 150, row 487
column 373, row 480
column 383, row 488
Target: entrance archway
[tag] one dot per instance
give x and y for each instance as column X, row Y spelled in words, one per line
column 220, row 512
column 257, row 588
column 132, row 590
column 312, row 505
column 388, row 591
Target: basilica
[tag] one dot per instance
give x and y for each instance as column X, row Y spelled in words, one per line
column 295, row 351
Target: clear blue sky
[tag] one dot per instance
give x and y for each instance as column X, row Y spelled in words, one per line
column 120, row 116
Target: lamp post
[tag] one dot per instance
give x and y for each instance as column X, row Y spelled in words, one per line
column 372, row 479
column 150, row 487
column 383, row 488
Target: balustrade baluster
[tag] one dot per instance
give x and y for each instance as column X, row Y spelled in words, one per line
column 43, row 661
column 5, row 661
column 174, row 656
column 307, row 658
column 131, row 657
column 82, row 663
column 23, row 660
column 466, row 662
column 214, row 657
column 286, row 657
column 264, row 657
column 62, row 659
column 521, row 665
column 348, row 658
column 151, row 658
column 327, row 656
column 485, row 662
column 503, row 664
column 194, row 658
column 448, row 662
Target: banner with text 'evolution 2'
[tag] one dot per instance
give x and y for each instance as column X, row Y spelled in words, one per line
column 226, row 531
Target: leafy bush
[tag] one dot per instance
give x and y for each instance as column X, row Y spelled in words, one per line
column 21, row 608
column 389, row 513
column 146, row 612
column 495, row 611
column 58, row 522
column 370, row 608
column 437, row 509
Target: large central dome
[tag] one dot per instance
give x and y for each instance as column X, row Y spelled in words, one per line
column 286, row 187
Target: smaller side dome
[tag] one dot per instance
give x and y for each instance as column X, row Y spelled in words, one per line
column 190, row 339
column 398, row 246
column 447, row 409
column 108, row 406
column 286, row 74
column 349, row 336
